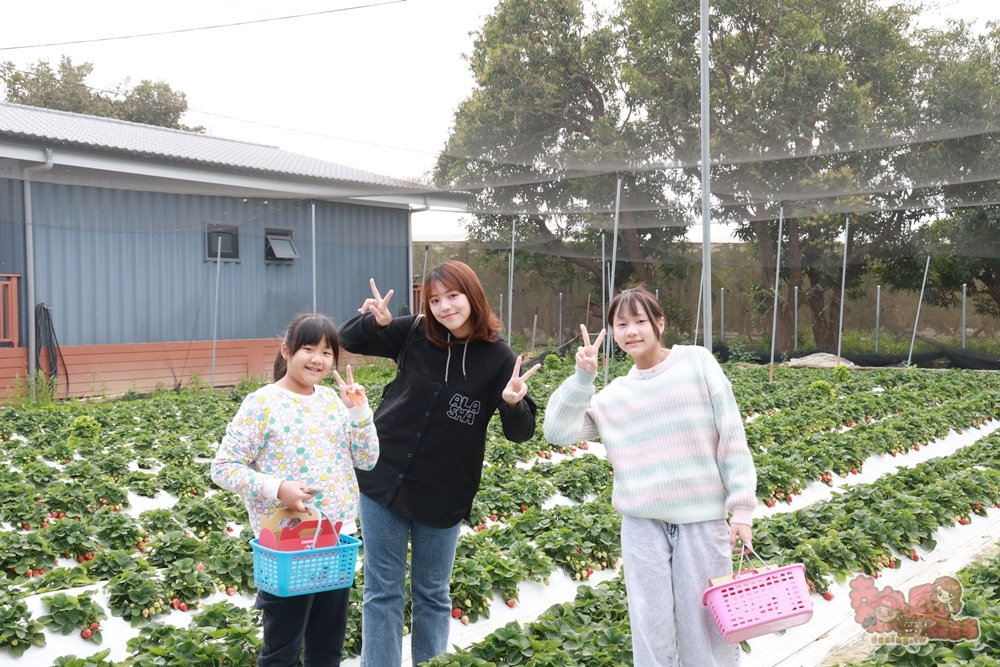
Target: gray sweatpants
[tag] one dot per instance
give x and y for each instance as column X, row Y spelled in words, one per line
column 667, row 568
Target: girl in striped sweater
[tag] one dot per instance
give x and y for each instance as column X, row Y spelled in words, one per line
column 684, row 477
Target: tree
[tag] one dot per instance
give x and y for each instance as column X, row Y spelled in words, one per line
column 65, row 89
column 546, row 109
column 834, row 107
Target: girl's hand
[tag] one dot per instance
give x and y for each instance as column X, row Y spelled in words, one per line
column 586, row 356
column 517, row 387
column 294, row 495
column 351, row 393
column 377, row 306
column 742, row 531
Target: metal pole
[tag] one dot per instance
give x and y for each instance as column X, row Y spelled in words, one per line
column 722, row 314
column 559, row 335
column 706, row 178
column 697, row 317
column 510, row 284
column 611, row 273
column 657, row 293
column 923, row 285
column 795, row 324
column 501, row 310
column 777, row 284
column 427, row 249
column 878, row 313
column 534, row 327
column 843, row 284
column 604, row 285
column 964, row 294
column 215, row 318
column 315, row 251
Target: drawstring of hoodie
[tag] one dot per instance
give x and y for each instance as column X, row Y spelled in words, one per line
column 447, row 363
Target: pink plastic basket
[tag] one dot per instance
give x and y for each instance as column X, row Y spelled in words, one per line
column 759, row 602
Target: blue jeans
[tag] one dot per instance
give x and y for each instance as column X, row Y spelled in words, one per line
column 385, row 535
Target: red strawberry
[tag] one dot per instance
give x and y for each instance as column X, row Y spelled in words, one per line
column 770, row 503
column 456, row 612
column 230, row 591
column 524, row 508
column 175, row 603
column 511, row 602
column 183, row 606
column 493, row 517
column 200, row 566
column 27, row 526
column 789, row 497
column 94, row 626
column 86, row 634
column 828, row 595
column 914, row 555
column 80, row 559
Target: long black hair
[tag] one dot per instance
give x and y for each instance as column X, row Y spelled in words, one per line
column 307, row 329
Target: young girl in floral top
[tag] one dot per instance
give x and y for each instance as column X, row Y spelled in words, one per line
column 295, row 442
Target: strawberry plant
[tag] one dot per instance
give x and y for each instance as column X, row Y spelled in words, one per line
column 161, row 645
column 18, row 632
column 96, row 660
column 142, row 483
column 109, row 564
column 225, row 615
column 115, row 529
column 21, row 553
column 172, row 546
column 61, row 578
column 203, row 515
column 72, row 539
column 160, row 521
column 185, row 479
column 230, row 562
column 136, row 596
column 187, row 581
column 68, row 614
column 580, row 477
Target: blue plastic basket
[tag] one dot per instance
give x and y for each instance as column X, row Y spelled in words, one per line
column 289, row 573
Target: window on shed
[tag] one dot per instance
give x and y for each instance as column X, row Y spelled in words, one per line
column 278, row 245
column 229, row 235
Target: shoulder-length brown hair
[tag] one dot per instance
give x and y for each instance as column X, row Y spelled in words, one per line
column 630, row 300
column 455, row 275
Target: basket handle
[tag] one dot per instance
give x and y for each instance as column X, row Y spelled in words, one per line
column 319, row 523
column 743, row 554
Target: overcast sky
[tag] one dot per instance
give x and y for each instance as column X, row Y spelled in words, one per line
column 373, row 87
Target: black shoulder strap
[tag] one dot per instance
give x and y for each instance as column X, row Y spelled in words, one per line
column 407, row 341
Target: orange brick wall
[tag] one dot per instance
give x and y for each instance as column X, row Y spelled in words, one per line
column 112, row 370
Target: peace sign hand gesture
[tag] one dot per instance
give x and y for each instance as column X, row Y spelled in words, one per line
column 586, row 356
column 351, row 393
column 517, row 388
column 378, row 306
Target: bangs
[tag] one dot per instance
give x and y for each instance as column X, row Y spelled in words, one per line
column 311, row 331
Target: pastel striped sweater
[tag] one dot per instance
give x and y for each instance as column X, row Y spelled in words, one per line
column 674, row 436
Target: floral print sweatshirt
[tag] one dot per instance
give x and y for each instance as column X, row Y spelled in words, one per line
column 278, row 435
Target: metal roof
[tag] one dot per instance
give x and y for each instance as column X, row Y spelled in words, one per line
column 118, row 137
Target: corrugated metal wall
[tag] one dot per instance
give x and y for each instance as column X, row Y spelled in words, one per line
column 12, row 240
column 119, row 266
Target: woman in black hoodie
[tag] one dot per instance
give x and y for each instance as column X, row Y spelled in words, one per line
column 453, row 372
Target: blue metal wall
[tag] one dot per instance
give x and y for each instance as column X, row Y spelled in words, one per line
column 119, row 266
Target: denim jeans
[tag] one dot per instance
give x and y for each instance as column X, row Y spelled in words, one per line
column 385, row 535
column 316, row 622
column 667, row 568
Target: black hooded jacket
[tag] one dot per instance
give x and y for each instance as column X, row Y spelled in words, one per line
column 432, row 419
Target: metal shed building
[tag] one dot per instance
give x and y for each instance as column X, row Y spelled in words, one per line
column 124, row 225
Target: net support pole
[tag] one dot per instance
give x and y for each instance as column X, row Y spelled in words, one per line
column 916, row 321
column 795, row 321
column 843, row 285
column 501, row 309
column 559, row 335
column 964, row 294
column 427, row 250
column 697, row 317
column 722, row 315
column 777, row 283
column 534, row 327
column 604, row 295
column 315, row 250
column 878, row 314
column 510, row 284
column 611, row 276
column 706, row 178
column 215, row 317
